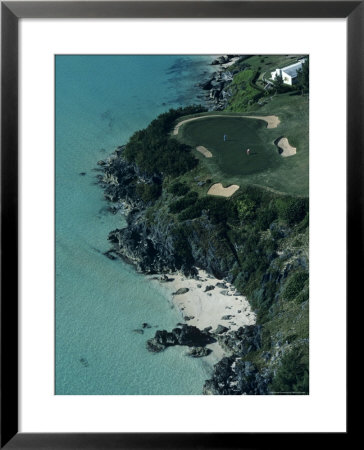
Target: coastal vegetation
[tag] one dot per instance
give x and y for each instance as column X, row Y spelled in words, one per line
column 257, row 238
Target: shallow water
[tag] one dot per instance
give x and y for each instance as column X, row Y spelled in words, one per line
column 100, row 102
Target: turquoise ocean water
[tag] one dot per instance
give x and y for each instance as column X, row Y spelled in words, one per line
column 100, row 102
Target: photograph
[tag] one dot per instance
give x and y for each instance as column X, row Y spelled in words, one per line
column 181, row 224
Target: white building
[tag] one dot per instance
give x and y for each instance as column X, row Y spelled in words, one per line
column 288, row 73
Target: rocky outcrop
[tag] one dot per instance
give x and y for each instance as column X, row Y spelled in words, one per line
column 236, row 377
column 120, row 178
column 198, row 352
column 217, row 87
column 242, row 341
column 186, row 335
column 181, row 291
column 162, row 246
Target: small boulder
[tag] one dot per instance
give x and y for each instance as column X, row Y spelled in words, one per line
column 210, row 287
column 181, row 291
column 198, row 352
column 221, row 329
column 227, row 317
column 188, row 318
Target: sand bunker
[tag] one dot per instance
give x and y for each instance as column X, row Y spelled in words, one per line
column 272, row 121
column 218, row 189
column 204, row 151
column 287, row 149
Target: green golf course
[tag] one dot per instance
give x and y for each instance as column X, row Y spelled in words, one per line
column 264, row 167
column 241, row 134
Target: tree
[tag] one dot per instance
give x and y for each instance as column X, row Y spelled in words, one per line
column 278, row 83
column 303, row 79
column 245, row 207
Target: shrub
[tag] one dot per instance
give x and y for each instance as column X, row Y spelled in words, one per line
column 294, row 285
column 292, row 210
column 292, row 375
column 148, row 192
column 303, row 296
column 183, row 203
column 245, row 208
column 265, row 217
column 155, row 152
column 192, row 212
column 178, row 189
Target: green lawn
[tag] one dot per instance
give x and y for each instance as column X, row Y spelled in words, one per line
column 264, row 167
column 230, row 155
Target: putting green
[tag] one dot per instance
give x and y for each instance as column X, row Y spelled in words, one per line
column 231, row 155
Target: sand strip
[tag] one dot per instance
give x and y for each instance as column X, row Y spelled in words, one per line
column 204, row 151
column 206, row 308
column 287, row 149
column 272, row 121
column 203, row 306
column 218, row 189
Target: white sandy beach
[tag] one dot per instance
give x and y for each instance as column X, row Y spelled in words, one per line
column 201, row 308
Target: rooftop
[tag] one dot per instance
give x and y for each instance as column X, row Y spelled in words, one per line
column 293, row 68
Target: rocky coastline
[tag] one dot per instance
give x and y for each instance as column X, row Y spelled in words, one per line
column 216, row 88
column 156, row 245
column 153, row 248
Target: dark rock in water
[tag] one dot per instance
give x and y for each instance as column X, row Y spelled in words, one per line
column 82, row 174
column 146, row 325
column 154, row 346
column 221, row 329
column 186, row 335
column 210, row 287
column 138, row 331
column 198, row 352
column 227, row 317
column 207, row 329
column 84, row 362
column 101, row 163
column 181, row 291
column 110, row 254
column 221, row 285
column 207, row 85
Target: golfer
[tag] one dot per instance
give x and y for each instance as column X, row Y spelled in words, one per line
column 225, row 137
column 248, row 151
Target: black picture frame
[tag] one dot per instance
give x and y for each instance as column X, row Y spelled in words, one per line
column 11, row 12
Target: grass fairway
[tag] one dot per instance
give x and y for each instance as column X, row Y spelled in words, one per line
column 230, row 156
column 264, row 166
